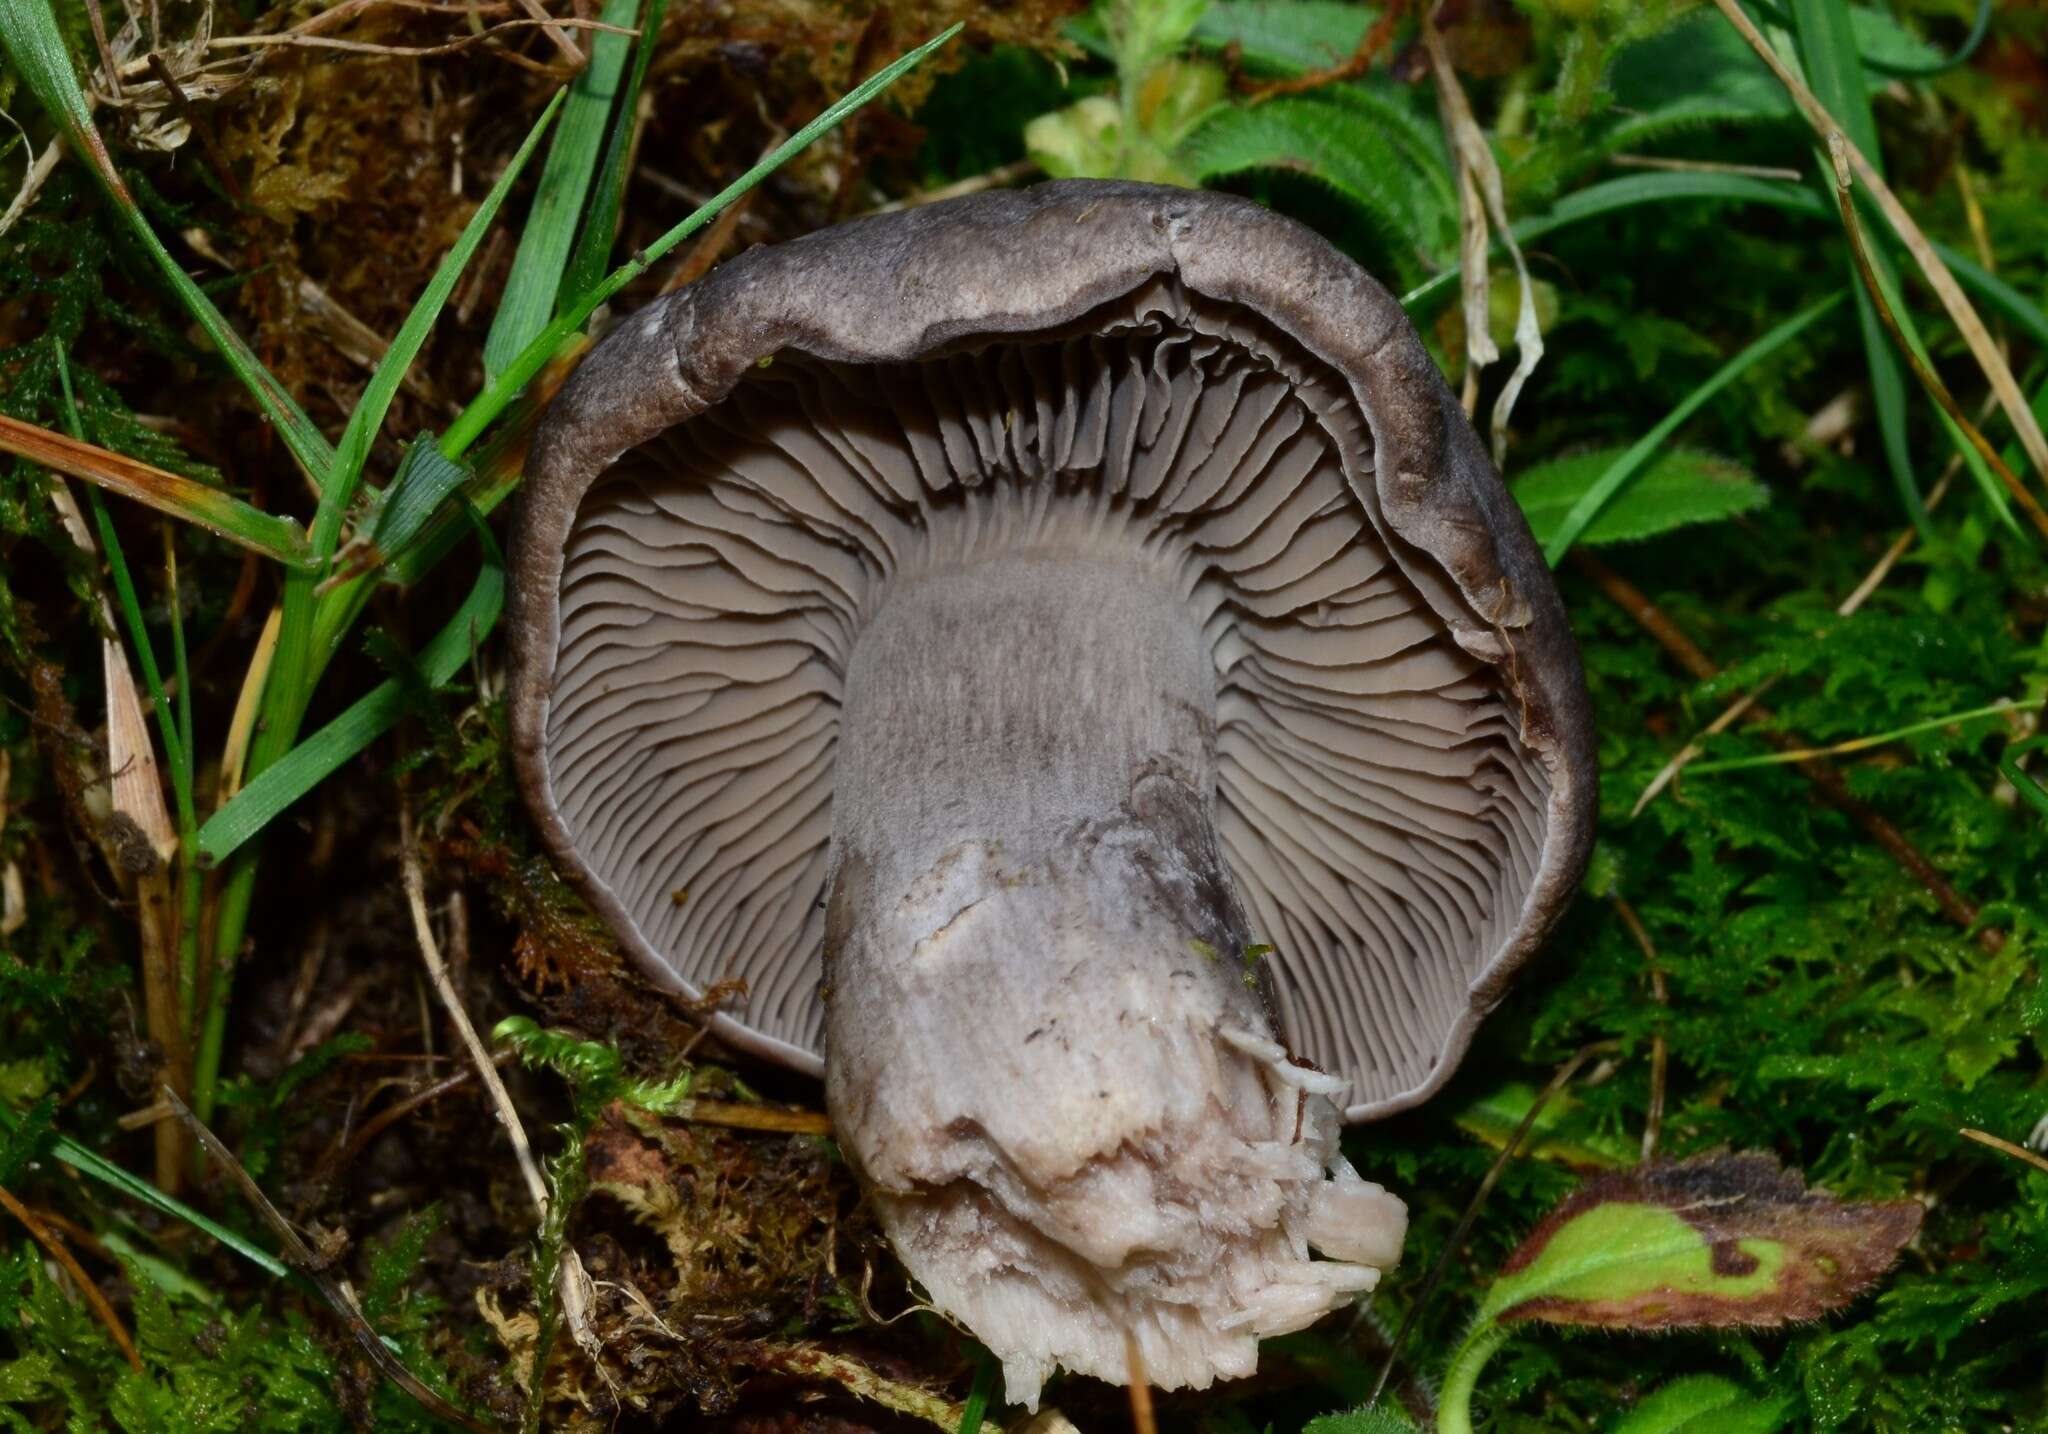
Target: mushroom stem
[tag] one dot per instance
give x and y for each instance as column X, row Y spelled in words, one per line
column 1048, row 1045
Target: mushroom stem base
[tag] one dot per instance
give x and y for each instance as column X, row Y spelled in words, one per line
column 1048, row 1047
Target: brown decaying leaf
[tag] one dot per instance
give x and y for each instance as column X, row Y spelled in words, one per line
column 1833, row 1250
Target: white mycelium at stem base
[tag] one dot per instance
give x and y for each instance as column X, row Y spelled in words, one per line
column 1046, row 1046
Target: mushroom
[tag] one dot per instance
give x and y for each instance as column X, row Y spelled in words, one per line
column 1066, row 652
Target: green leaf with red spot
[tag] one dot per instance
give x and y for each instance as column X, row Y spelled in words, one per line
column 1716, row 1241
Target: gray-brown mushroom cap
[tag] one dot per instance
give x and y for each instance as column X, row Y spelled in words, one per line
column 1405, row 780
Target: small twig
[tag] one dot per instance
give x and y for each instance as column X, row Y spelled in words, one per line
column 1140, row 1386
column 1929, row 380
column 360, row 344
column 807, row 1361
column 575, row 1283
column 61, row 1253
column 297, row 39
column 312, row 1269
column 1833, row 789
column 32, row 182
column 1000, row 177
column 738, row 1116
column 1938, row 276
column 1653, row 1118
column 1463, row 1228
column 2017, row 1152
column 555, row 32
column 1848, row 607
column 99, row 37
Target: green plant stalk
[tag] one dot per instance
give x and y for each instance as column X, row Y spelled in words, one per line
column 1857, row 744
column 1461, row 1377
column 1639, row 453
column 558, row 201
column 176, row 735
column 593, row 249
column 311, row 629
column 190, row 881
column 305, row 646
column 499, row 394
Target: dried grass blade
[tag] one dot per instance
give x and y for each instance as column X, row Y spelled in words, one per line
column 1479, row 181
column 1996, row 371
column 1838, row 147
column 169, row 493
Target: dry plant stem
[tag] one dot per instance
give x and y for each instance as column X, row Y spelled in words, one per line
column 360, row 344
column 1825, row 778
column 1704, row 166
column 108, row 67
column 1943, row 283
column 1479, row 180
column 1929, row 380
column 1463, row 1228
column 1140, row 1389
column 738, row 1116
column 1002, row 176
column 807, row 1361
column 574, row 1283
column 97, row 1302
column 337, row 1295
column 32, row 183
column 292, row 39
column 1360, row 60
column 1848, row 607
column 2006, row 1147
column 1653, row 1118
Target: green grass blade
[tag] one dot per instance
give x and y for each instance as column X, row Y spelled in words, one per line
column 95, row 1166
column 1834, row 69
column 601, row 217
column 1631, row 462
column 412, row 335
column 29, row 35
column 425, row 479
column 177, row 745
column 544, row 245
column 320, row 755
column 488, row 405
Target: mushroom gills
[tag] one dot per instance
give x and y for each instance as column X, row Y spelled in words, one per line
column 1069, row 663
column 1050, row 1050
column 1375, row 799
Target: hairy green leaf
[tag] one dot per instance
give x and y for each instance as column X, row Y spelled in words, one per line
column 1676, row 488
column 1285, row 37
column 1704, row 1404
